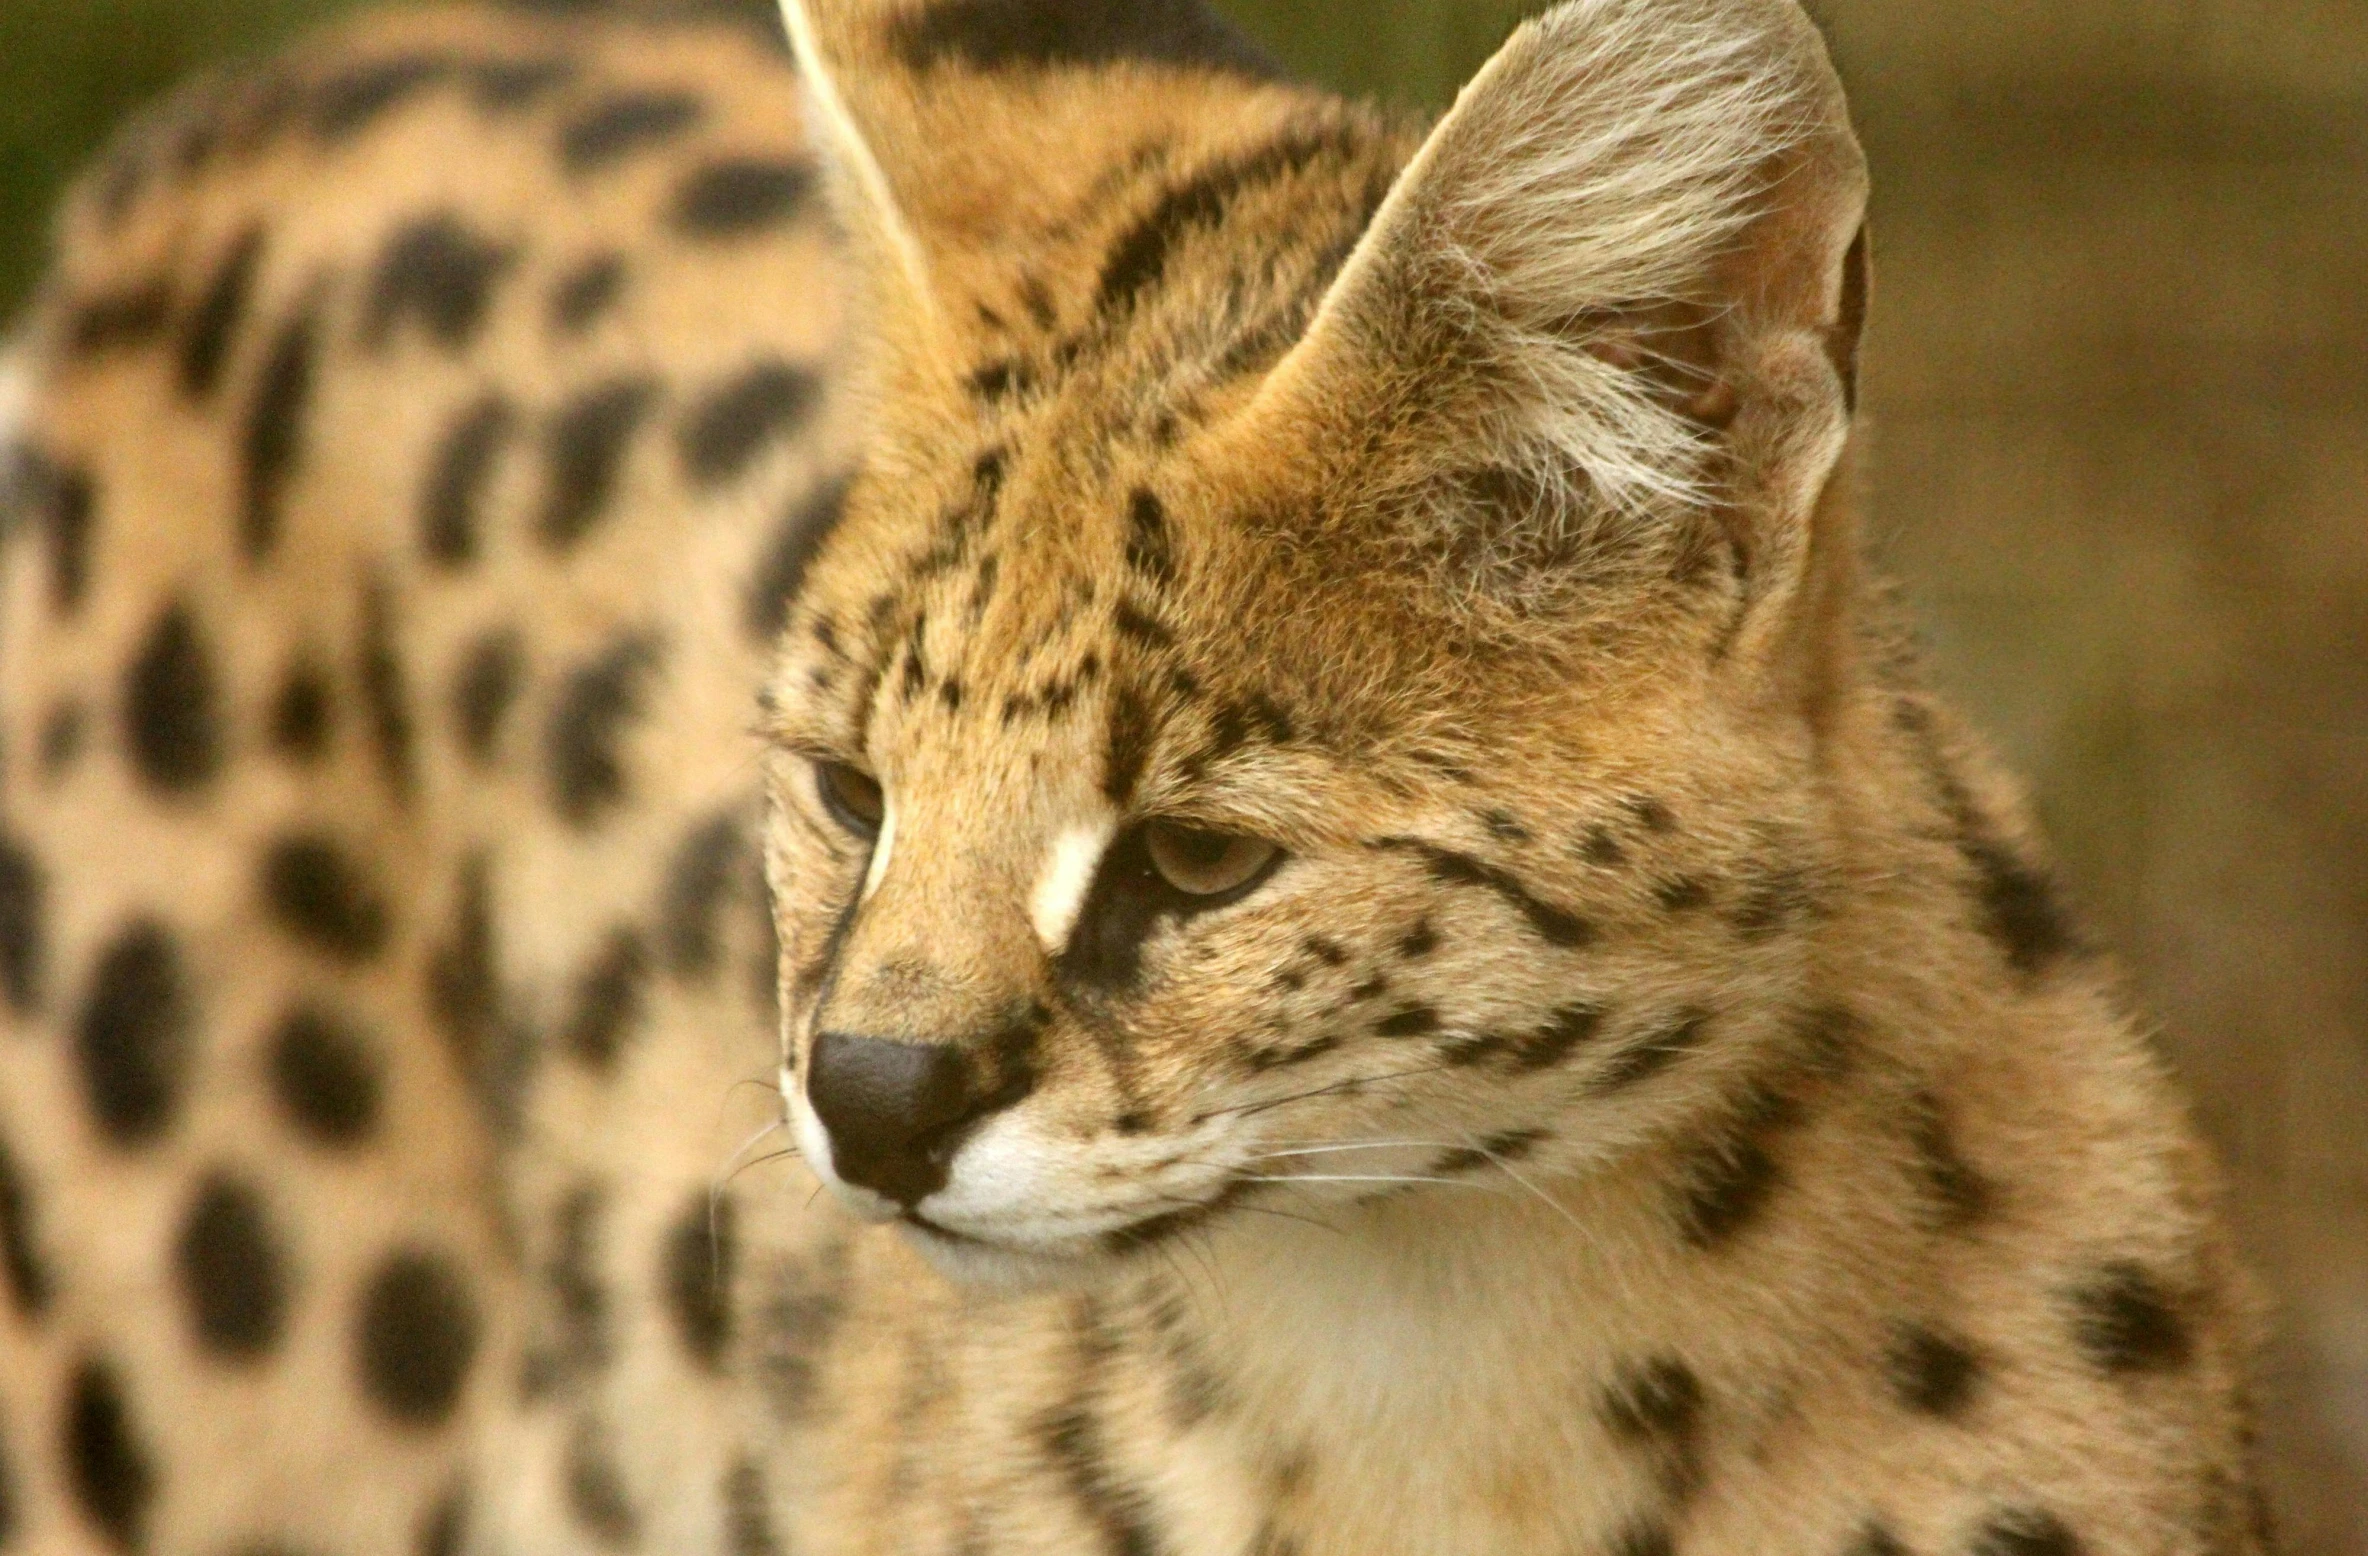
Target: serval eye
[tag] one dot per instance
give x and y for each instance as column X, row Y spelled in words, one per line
column 1201, row 863
column 852, row 798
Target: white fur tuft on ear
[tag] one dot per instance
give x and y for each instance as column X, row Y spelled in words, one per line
column 1557, row 280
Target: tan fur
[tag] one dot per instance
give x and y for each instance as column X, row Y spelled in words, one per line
column 1655, row 1104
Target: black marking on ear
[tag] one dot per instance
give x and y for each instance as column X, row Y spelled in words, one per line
column 67, row 501
column 587, row 445
column 1509, row 1146
column 993, row 35
column 731, row 425
column 416, row 1337
column 31, row 1283
column 272, row 440
column 1150, row 550
column 451, row 509
column 24, row 926
column 739, row 196
column 318, row 894
column 109, row 1468
column 2020, row 910
column 1958, row 1195
column 133, row 1040
column 596, row 1494
column 328, row 1076
column 2024, row 1531
column 1137, row 262
column 122, row 320
column 598, row 704
column 171, row 713
column 303, row 712
column 616, row 127
column 439, row 271
column 699, row 1258
column 1556, row 926
column 1842, row 341
column 610, row 999
column 2125, row 1321
column 591, row 289
column 234, row 1279
column 1649, row 1055
column 712, row 859
column 1931, row 1372
column 346, row 104
column 484, row 688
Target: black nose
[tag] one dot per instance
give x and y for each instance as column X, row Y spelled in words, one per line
column 895, row 1111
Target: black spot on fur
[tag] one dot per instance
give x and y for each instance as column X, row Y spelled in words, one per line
column 1128, row 739
column 1682, row 895
column 1599, row 847
column 1876, row 1539
column 1652, row 814
column 596, row 1494
column 1413, row 1021
column 1556, row 926
column 221, row 309
column 123, row 320
column 610, row 999
column 731, row 424
column 740, row 195
column 1509, row 1146
column 2024, row 1531
column 696, row 1277
column 30, row 1283
column 1150, row 550
column 1957, row 1193
column 1649, row 1055
column 24, row 926
column 233, row 1276
column 303, row 716
column 597, row 706
column 451, row 508
column 1570, row 1028
column 415, row 1337
column 326, row 1075
column 581, row 1343
column 66, row 499
column 1656, row 1406
column 271, row 442
column 1731, row 1181
column 132, row 1042
column 465, row 994
column 443, row 1525
column 317, row 893
column 616, row 127
column 110, row 1470
column 503, row 84
column 63, row 732
column 748, row 1512
column 1646, row 1537
column 1120, row 1514
column 1931, row 1372
column 171, row 714
column 438, row 271
column 350, row 102
column 1138, row 260
column 991, row 35
column 586, row 292
column 10, row 1497
column 1418, row 942
column 586, row 447
column 707, row 864
column 485, row 687
column 2125, row 1321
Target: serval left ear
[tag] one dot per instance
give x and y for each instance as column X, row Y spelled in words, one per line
column 1610, row 309
column 948, row 125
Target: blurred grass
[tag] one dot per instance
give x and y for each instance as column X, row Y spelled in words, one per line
column 2120, row 458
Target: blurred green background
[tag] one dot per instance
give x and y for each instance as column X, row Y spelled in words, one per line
column 2116, row 387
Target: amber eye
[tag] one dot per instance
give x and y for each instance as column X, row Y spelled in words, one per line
column 1201, row 863
column 852, row 798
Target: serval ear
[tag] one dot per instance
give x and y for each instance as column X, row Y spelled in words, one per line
column 951, row 126
column 1607, row 316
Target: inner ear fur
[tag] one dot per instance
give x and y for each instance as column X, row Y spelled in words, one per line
column 1616, row 296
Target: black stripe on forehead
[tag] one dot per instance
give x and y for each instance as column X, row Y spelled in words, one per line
column 989, row 35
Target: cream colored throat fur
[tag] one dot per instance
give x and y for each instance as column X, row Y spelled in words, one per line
column 1428, row 980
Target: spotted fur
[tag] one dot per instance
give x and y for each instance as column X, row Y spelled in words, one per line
column 487, row 491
